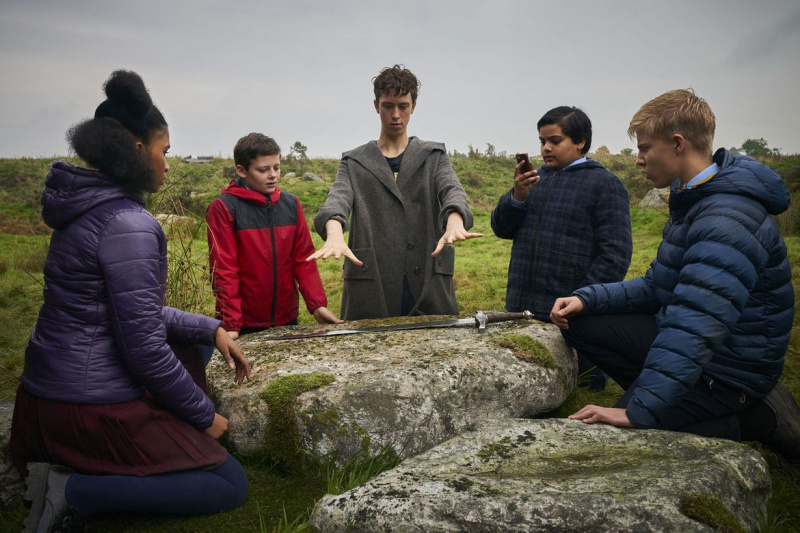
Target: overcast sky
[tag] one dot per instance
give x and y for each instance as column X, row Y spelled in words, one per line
column 302, row 70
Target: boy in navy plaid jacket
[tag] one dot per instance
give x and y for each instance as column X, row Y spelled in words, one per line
column 569, row 220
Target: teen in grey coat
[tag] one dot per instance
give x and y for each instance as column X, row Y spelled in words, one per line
column 395, row 227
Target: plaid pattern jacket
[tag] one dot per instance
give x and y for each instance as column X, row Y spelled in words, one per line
column 573, row 230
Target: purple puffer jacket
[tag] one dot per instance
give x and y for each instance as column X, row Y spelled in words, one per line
column 102, row 332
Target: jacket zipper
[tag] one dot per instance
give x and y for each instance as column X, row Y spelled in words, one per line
column 274, row 264
column 535, row 238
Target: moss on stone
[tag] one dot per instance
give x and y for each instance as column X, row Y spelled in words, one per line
column 526, row 349
column 282, row 441
column 712, row 512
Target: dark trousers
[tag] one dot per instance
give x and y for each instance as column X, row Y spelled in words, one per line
column 619, row 344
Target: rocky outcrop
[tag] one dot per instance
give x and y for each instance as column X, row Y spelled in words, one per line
column 655, row 199
column 559, row 475
column 11, row 485
column 411, row 390
column 310, row 176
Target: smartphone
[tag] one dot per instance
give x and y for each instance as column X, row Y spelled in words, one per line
column 523, row 158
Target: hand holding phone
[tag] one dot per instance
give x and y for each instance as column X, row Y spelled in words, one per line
column 527, row 166
column 523, row 183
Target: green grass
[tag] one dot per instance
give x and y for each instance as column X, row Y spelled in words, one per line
column 281, row 499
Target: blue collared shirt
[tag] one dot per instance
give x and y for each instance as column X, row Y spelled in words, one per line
column 703, row 177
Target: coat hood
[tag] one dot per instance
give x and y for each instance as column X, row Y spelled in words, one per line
column 739, row 175
column 71, row 191
column 237, row 188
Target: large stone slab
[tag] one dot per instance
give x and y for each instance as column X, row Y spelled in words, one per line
column 559, row 475
column 407, row 389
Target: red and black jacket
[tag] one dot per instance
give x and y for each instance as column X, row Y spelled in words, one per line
column 258, row 247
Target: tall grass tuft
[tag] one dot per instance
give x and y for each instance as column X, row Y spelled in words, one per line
column 789, row 220
column 359, row 469
column 188, row 282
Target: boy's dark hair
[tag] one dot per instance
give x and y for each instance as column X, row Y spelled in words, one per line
column 573, row 122
column 396, row 81
column 108, row 141
column 251, row 147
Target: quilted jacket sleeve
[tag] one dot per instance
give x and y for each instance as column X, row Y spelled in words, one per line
column 130, row 255
column 189, row 328
column 305, row 272
column 223, row 259
column 636, row 295
column 720, row 267
column 506, row 217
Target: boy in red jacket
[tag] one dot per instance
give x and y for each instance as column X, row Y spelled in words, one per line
column 258, row 241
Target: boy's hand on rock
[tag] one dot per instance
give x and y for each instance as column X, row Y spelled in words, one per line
column 591, row 414
column 563, row 308
column 324, row 316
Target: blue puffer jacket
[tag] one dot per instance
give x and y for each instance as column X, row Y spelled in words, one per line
column 102, row 333
column 721, row 288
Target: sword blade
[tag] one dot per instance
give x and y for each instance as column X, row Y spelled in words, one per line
column 478, row 321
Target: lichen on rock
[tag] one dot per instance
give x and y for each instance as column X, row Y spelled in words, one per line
column 282, row 440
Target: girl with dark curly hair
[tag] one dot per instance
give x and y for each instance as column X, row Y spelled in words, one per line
column 107, row 418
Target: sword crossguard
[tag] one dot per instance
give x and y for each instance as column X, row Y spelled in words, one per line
column 480, row 319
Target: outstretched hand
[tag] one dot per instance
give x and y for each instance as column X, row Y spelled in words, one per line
column 334, row 245
column 591, row 414
column 454, row 232
column 335, row 249
column 234, row 357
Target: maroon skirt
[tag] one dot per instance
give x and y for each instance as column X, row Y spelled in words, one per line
column 137, row 438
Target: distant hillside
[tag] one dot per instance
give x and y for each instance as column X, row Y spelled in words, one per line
column 190, row 187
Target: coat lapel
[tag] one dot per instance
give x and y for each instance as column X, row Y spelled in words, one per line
column 373, row 160
column 413, row 158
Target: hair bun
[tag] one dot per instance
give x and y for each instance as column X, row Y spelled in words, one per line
column 125, row 89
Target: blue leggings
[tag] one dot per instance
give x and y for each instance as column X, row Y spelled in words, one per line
column 192, row 492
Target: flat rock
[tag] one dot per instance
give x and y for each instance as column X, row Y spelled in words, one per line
column 559, row 475
column 11, row 485
column 337, row 396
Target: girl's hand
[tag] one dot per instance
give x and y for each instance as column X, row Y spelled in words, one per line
column 218, row 427
column 233, row 355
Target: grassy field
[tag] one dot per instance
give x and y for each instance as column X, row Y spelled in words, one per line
column 280, row 500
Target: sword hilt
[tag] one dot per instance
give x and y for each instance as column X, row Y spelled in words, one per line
column 482, row 318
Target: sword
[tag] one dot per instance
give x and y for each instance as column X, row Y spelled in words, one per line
column 479, row 321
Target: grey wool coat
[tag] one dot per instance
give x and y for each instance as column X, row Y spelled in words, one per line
column 394, row 229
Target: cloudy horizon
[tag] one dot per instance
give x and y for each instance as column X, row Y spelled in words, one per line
column 302, row 70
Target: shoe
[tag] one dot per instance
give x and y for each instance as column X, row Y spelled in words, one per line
column 46, row 490
column 786, row 438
